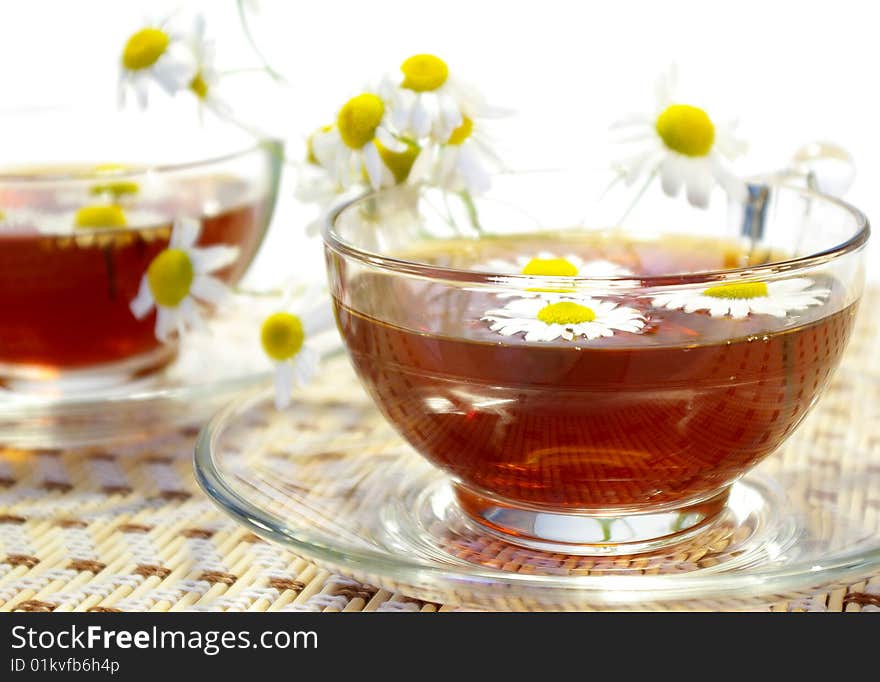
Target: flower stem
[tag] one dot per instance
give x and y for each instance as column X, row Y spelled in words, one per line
column 471, row 207
column 638, row 196
column 242, row 14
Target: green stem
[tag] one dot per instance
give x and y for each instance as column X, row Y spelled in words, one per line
column 272, row 73
column 471, row 207
column 638, row 196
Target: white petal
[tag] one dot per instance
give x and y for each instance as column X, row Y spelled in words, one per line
column 389, row 141
column 188, row 317
column 671, row 177
column 420, row 118
column 699, row 189
column 739, row 309
column 141, row 89
column 306, row 364
column 166, row 321
column 373, row 165
column 143, row 303
column 172, row 74
column 209, row 289
column 211, row 258
column 789, row 286
column 283, row 384
column 185, row 233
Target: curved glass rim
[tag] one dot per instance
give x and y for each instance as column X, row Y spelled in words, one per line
column 605, row 588
column 518, row 281
column 270, row 145
column 139, row 171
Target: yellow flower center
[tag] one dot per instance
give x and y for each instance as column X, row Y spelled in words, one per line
column 737, row 290
column 358, row 119
column 2, row 215
column 282, row 336
column 463, row 131
column 685, row 129
column 551, row 267
column 424, row 72
column 399, row 163
column 103, row 215
column 199, row 85
column 144, row 48
column 566, row 312
column 310, row 144
column 170, row 277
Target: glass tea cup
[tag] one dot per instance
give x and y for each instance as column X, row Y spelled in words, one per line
column 87, row 202
column 591, row 387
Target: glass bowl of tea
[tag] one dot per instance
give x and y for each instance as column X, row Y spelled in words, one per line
column 87, row 202
column 594, row 384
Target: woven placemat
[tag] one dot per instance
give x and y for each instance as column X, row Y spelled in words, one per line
column 125, row 528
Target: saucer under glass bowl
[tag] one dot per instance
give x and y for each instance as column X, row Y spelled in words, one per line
column 329, row 479
column 211, row 367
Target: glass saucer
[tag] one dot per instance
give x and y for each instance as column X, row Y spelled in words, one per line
column 332, row 481
column 212, row 366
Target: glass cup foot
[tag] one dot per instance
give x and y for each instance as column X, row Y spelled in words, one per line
column 587, row 533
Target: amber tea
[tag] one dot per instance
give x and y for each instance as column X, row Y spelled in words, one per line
column 665, row 401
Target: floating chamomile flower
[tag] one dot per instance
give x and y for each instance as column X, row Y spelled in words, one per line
column 739, row 299
column 99, row 216
column 204, row 82
column 548, row 318
column 178, row 277
column 156, row 53
column 461, row 163
column 353, row 147
column 546, row 264
column 549, row 264
column 287, row 338
column 685, row 146
column 428, row 101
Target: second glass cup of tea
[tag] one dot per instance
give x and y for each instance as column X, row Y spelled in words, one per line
column 592, row 388
column 86, row 204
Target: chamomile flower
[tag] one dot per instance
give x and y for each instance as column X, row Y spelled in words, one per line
column 739, row 299
column 179, row 277
column 548, row 318
column 204, row 83
column 287, row 339
column 684, row 145
column 156, row 53
column 546, row 263
column 315, row 185
column 462, row 163
column 99, row 216
column 428, row 101
column 352, row 148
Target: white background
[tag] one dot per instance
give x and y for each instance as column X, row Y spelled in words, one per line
column 791, row 72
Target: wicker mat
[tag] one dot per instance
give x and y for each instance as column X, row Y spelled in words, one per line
column 125, row 528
